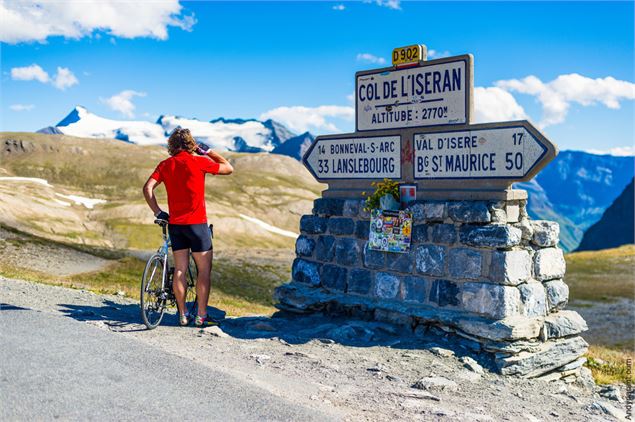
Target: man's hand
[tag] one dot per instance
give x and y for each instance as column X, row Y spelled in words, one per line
column 162, row 215
column 202, row 149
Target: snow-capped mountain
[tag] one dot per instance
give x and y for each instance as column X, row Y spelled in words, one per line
column 245, row 135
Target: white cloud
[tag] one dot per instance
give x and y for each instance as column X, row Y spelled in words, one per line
column 21, row 107
column 618, row 151
column 436, row 54
column 556, row 96
column 370, row 58
column 64, row 78
column 122, row 102
column 494, row 104
column 301, row 119
column 339, row 7
column 31, row 20
column 391, row 4
column 30, row 73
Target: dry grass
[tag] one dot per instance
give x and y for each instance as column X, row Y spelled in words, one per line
column 602, row 275
column 611, row 366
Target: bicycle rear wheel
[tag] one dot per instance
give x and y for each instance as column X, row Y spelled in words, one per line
column 190, row 293
column 153, row 296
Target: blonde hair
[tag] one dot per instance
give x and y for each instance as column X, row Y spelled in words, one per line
column 181, row 140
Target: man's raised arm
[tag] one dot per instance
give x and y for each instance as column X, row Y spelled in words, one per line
column 224, row 166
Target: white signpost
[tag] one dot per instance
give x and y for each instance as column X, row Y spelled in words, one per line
column 414, row 125
column 373, row 157
column 434, row 93
column 489, row 151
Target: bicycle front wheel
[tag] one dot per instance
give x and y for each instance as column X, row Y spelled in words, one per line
column 153, row 295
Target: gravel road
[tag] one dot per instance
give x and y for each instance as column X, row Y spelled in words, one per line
column 76, row 351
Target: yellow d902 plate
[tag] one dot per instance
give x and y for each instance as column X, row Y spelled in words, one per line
column 411, row 54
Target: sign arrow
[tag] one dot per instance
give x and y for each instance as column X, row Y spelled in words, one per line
column 347, row 157
column 515, row 151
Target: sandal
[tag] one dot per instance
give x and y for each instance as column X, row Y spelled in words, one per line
column 184, row 320
column 204, row 321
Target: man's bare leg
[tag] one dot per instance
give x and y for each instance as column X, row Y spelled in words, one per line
column 204, row 266
column 179, row 285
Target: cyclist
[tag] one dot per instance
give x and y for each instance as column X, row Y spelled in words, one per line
column 184, row 177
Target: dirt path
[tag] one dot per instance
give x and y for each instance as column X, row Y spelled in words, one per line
column 45, row 257
column 360, row 369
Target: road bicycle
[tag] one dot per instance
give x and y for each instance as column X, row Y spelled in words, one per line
column 156, row 283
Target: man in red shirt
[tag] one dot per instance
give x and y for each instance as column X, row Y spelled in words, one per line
column 184, row 177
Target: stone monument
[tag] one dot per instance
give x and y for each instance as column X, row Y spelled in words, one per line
column 477, row 267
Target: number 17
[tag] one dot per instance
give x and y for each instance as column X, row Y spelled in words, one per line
column 517, row 137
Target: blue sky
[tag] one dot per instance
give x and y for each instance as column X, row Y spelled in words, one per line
column 295, row 61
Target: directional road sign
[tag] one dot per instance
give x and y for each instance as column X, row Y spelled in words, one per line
column 436, row 92
column 346, row 157
column 508, row 150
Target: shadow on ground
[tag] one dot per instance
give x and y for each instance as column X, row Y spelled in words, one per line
column 289, row 328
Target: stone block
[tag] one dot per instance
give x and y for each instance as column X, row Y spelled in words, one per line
column 513, row 213
column 328, row 207
column 374, row 259
column 307, row 272
column 311, row 224
column 497, row 210
column 465, row 263
column 512, row 328
column 341, row 226
column 430, row 259
column 400, row 262
column 359, row 281
column 445, row 293
column 469, row 212
column 347, row 251
column 546, row 233
column 386, row 285
column 557, row 294
column 414, row 289
column 417, row 212
column 334, row 277
column 325, row 248
column 351, row 208
column 391, row 317
column 552, row 355
column 533, row 298
column 362, row 229
column 510, row 267
column 494, row 236
column 564, row 324
column 433, row 211
column 491, row 300
column 549, row 264
column 443, row 233
column 419, row 233
column 304, row 246
column 527, row 232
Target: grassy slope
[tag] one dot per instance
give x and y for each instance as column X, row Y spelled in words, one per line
column 273, row 188
column 601, row 276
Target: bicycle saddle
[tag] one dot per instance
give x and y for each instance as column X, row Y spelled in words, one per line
column 161, row 223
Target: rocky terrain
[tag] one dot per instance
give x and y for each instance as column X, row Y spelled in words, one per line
column 360, row 370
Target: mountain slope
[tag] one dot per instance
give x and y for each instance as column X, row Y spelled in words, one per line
column 575, row 189
column 615, row 228
column 295, row 147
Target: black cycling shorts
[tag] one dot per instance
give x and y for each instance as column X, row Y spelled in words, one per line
column 190, row 236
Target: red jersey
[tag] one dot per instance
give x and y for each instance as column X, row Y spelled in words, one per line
column 184, row 178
